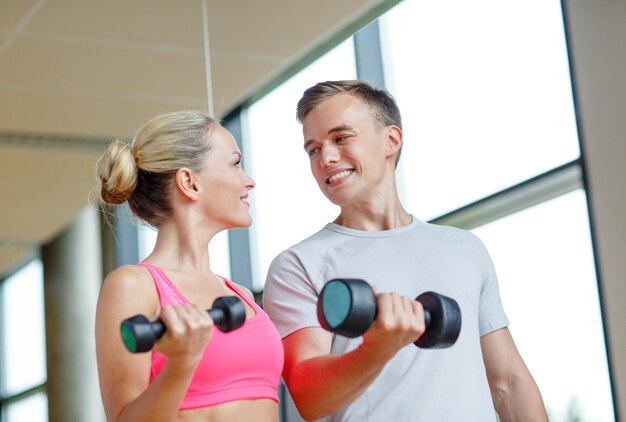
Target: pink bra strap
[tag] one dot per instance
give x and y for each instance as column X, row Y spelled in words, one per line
column 168, row 293
column 232, row 286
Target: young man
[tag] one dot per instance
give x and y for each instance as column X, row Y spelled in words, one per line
column 353, row 136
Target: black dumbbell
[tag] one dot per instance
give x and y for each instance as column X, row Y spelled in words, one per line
column 348, row 307
column 139, row 334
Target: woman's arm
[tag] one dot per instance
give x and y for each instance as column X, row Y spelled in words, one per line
column 124, row 376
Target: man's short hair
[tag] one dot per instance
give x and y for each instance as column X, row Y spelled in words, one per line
column 382, row 104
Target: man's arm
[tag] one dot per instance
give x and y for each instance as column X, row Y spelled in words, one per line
column 320, row 383
column 514, row 391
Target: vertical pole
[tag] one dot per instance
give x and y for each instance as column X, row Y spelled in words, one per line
column 72, row 274
column 368, row 54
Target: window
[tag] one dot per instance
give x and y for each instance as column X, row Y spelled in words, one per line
column 23, row 339
column 487, row 104
column 32, row 409
column 544, row 260
column 484, row 90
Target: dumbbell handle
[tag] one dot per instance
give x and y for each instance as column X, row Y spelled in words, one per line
column 427, row 314
column 158, row 327
column 139, row 334
column 427, row 317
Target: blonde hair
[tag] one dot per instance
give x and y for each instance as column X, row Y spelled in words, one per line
column 142, row 173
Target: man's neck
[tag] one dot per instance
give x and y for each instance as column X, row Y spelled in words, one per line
column 367, row 219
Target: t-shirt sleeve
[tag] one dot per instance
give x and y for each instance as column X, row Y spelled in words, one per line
column 491, row 313
column 289, row 297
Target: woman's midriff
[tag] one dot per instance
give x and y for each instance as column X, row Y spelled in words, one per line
column 259, row 410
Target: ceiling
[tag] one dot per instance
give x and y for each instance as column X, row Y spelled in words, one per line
column 74, row 74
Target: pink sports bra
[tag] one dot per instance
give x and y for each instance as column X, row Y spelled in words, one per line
column 243, row 364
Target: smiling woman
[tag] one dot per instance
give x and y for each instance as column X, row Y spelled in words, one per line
column 182, row 174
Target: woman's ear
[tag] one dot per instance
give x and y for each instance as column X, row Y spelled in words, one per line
column 394, row 140
column 187, row 183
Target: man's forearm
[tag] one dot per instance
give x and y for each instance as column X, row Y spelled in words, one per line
column 322, row 385
column 520, row 401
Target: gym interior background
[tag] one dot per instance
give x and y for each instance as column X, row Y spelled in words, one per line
column 514, row 128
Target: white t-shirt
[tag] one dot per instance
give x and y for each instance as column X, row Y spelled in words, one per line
column 430, row 385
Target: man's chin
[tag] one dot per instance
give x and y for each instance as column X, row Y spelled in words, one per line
column 336, row 199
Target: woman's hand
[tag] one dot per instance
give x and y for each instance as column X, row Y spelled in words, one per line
column 188, row 330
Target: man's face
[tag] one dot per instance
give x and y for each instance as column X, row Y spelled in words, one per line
column 348, row 151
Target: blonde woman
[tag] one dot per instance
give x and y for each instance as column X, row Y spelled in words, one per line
column 182, row 175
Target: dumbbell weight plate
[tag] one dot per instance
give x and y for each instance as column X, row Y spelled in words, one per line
column 439, row 309
column 336, row 304
column 228, row 313
column 346, row 307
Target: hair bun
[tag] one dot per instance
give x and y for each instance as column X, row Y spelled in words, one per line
column 117, row 173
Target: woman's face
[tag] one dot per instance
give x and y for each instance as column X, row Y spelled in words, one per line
column 225, row 183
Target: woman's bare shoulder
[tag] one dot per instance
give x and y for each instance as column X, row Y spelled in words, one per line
column 128, row 274
column 245, row 290
column 129, row 286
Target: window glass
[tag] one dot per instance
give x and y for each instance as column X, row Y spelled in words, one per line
column 146, row 239
column 544, row 260
column 287, row 204
column 31, row 409
column 218, row 249
column 24, row 329
column 484, row 90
